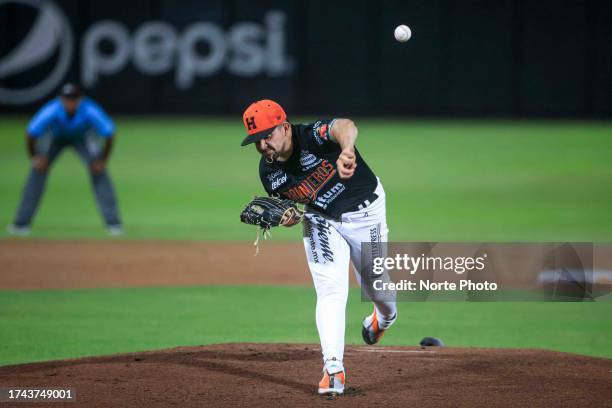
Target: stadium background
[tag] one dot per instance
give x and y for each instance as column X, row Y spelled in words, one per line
column 528, row 160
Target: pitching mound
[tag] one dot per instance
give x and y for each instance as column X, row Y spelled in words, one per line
column 286, row 375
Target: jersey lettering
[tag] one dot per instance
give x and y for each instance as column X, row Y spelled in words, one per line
column 307, row 190
column 279, row 182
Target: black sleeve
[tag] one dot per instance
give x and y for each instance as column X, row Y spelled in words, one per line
column 319, row 133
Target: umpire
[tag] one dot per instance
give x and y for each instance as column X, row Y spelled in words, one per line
column 70, row 120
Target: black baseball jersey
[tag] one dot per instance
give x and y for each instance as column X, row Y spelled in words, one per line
column 310, row 175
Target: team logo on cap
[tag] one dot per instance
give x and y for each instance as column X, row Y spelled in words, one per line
column 250, row 122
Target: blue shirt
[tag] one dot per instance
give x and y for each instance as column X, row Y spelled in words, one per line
column 53, row 118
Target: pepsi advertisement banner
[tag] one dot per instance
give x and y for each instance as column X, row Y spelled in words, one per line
column 480, row 59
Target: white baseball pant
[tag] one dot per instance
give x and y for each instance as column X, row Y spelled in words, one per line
column 330, row 245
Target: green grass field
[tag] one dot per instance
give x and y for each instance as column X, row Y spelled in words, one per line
column 446, row 180
column 43, row 325
column 186, row 178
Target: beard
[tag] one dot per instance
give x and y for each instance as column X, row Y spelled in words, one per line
column 269, row 154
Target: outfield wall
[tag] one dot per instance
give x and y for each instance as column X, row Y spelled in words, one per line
column 476, row 58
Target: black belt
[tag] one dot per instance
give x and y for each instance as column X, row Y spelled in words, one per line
column 365, row 203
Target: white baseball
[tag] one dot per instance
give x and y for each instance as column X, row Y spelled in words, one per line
column 402, row 33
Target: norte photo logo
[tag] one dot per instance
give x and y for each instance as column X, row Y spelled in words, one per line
column 47, row 42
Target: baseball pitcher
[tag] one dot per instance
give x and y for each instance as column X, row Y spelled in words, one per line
column 70, row 120
column 318, row 165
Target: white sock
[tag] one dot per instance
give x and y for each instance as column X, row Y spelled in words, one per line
column 334, row 365
column 384, row 320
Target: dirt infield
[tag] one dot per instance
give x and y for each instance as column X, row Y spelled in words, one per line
column 38, row 264
column 41, row 264
column 286, row 375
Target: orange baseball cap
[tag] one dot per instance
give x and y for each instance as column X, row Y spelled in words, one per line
column 260, row 119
